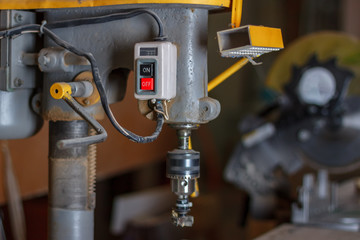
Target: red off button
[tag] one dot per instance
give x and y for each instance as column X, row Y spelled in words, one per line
column 147, row 84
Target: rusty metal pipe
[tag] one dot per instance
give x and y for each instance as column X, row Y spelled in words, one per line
column 70, row 206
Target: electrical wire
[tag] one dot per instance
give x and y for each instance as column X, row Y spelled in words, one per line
column 97, row 78
column 109, row 18
column 19, row 30
column 86, row 21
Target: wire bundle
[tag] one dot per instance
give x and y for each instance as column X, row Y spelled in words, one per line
column 45, row 29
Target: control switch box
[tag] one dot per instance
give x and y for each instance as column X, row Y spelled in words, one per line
column 155, row 70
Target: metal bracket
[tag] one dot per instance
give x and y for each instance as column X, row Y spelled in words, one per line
column 13, row 72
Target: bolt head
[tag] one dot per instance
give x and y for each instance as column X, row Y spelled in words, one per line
column 18, row 82
column 44, row 60
column 18, row 18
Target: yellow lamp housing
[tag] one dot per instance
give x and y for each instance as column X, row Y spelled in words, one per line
column 249, row 41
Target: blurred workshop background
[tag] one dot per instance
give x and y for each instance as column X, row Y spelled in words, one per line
column 133, row 198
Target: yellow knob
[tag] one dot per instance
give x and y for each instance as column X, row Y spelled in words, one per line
column 58, row 90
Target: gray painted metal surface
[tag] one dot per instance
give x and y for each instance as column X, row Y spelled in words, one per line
column 14, row 73
column 71, row 224
column 17, row 119
column 188, row 29
column 56, row 59
column 112, row 44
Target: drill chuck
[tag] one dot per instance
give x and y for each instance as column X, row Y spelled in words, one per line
column 183, row 168
column 183, row 164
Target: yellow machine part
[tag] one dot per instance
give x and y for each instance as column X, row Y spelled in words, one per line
column 37, row 4
column 60, row 90
column 265, row 37
column 236, row 13
column 326, row 45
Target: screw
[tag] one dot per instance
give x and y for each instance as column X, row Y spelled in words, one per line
column 86, row 102
column 18, row 18
column 18, row 82
column 183, row 183
column 153, row 101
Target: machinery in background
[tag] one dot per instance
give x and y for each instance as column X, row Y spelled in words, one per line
column 312, row 121
column 322, row 203
column 72, row 87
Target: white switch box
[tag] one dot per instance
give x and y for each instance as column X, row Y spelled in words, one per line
column 155, row 70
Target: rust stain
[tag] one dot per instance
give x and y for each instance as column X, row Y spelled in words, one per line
column 58, row 114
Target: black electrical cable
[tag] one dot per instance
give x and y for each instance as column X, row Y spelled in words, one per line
column 86, row 21
column 18, row 30
column 97, row 80
column 108, row 18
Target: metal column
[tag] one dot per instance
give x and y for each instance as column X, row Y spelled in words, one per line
column 71, row 205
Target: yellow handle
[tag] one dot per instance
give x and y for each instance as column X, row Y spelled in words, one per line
column 236, row 13
column 60, row 90
column 227, row 73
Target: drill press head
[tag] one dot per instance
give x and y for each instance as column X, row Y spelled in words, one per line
column 191, row 105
